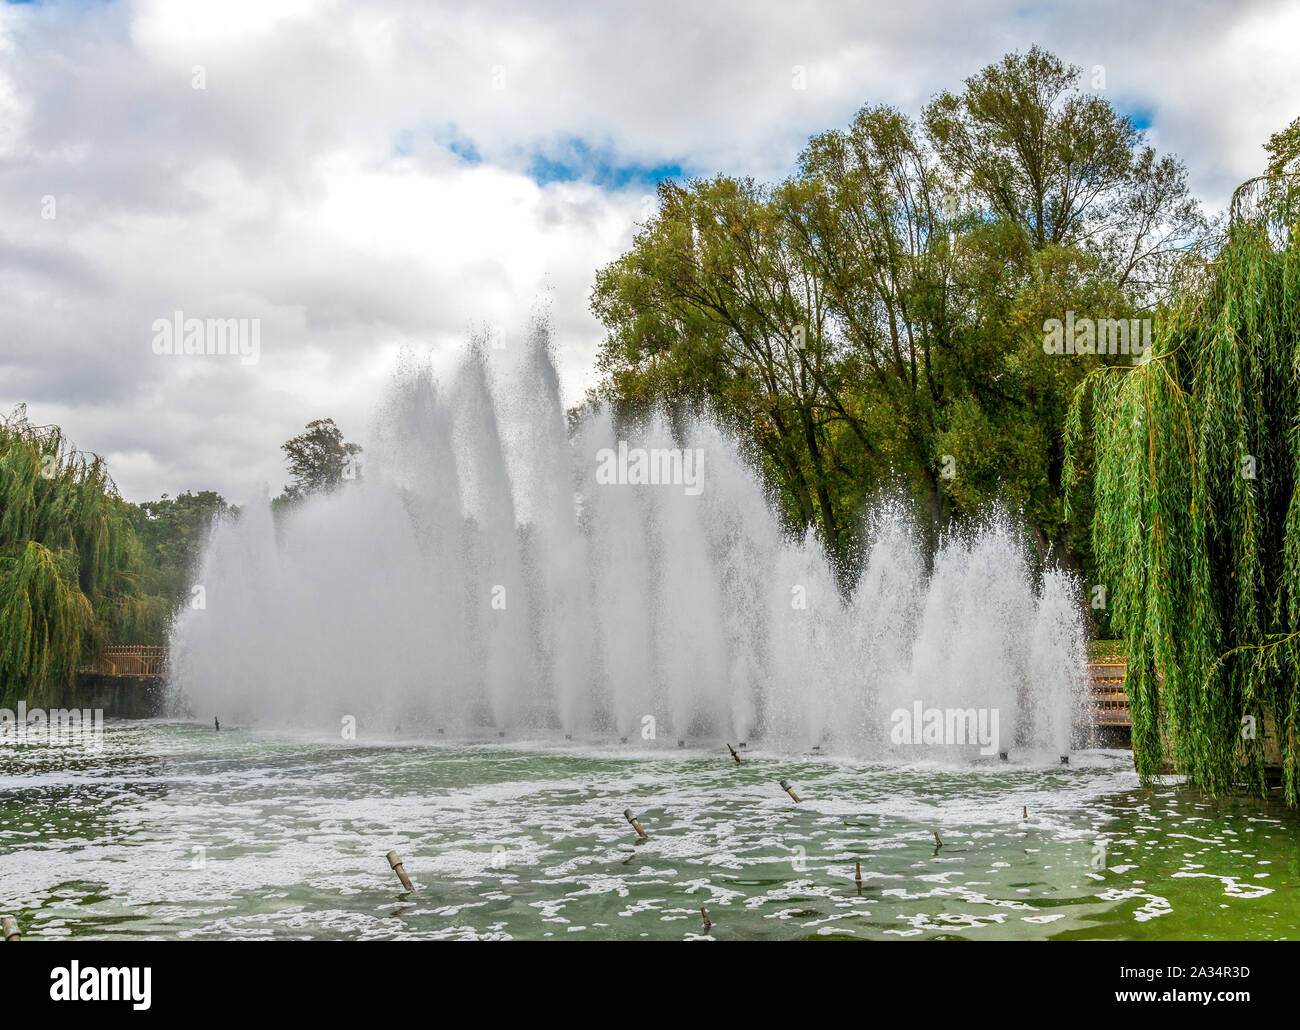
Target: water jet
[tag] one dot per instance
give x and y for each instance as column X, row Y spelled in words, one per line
column 639, row 598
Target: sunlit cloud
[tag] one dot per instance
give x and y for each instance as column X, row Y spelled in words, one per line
column 364, row 179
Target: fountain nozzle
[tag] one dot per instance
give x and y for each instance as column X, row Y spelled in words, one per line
column 627, row 814
column 396, row 863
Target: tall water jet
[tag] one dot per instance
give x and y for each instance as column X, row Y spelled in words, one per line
column 497, row 636
column 494, row 571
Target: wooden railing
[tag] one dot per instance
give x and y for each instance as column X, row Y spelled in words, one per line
column 1105, row 679
column 1110, row 702
column 131, row 660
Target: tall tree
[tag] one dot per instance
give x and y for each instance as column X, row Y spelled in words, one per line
column 319, row 460
column 69, row 562
column 877, row 320
column 1197, row 506
column 1065, row 167
column 713, row 304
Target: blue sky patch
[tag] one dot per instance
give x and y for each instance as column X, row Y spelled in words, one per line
column 574, row 160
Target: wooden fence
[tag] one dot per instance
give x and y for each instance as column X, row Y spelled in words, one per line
column 1110, row 703
column 131, row 660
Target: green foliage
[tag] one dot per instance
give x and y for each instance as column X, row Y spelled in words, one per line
column 44, row 622
column 1196, row 526
column 882, row 311
column 79, row 566
column 319, row 460
column 172, row 532
column 66, row 548
column 1065, row 168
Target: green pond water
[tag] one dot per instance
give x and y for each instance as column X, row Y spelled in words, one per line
column 173, row 831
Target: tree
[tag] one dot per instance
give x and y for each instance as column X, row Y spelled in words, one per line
column 1065, row 168
column 1197, row 508
column 319, row 460
column 172, row 532
column 876, row 321
column 714, row 305
column 69, row 562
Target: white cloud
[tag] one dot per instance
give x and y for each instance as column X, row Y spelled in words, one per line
column 311, row 184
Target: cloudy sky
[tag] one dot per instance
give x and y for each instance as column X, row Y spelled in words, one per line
column 364, row 178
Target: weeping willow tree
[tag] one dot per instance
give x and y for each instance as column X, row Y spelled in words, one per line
column 1195, row 462
column 68, row 561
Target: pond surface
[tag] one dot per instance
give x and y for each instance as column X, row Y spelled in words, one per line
column 175, row 831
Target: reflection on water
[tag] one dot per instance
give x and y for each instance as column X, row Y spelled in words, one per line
column 173, row 831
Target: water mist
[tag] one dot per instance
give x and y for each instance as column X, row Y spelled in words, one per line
column 489, row 573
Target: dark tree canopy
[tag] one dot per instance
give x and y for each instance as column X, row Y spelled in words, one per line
column 172, row 532
column 319, row 460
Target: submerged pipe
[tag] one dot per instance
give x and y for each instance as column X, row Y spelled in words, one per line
column 705, row 913
column 789, row 790
column 11, row 929
column 396, row 863
column 857, row 875
column 627, row 814
column 733, row 753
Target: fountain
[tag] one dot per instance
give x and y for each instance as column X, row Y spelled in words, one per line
column 492, row 572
